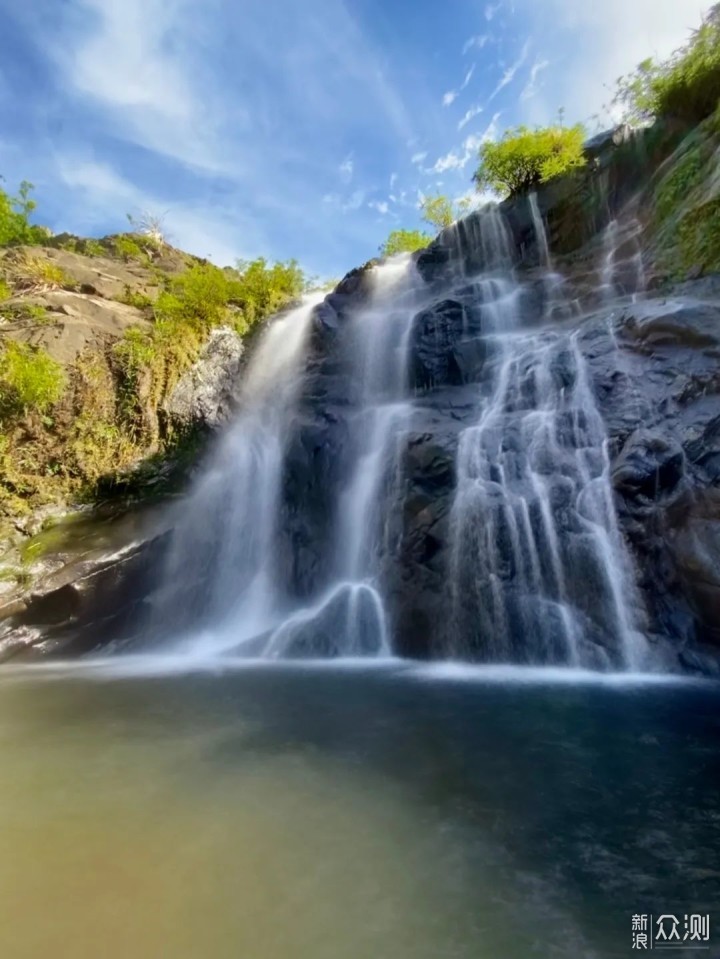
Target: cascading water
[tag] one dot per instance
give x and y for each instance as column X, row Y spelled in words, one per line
column 221, row 567
column 534, row 502
column 535, row 566
column 349, row 619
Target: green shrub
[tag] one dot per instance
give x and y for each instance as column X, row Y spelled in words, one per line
column 15, row 211
column 198, row 297
column 141, row 301
column 30, row 379
column 127, row 248
column 259, row 289
column 404, row 241
column 524, row 158
column 686, row 86
column 38, row 273
column 38, row 314
column 440, row 211
column 92, row 247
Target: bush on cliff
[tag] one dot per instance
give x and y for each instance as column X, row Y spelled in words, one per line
column 15, row 225
column 524, row 158
column 30, row 380
column 404, row 241
column 686, row 86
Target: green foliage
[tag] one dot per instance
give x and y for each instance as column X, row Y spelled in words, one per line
column 36, row 272
column 15, row 211
column 30, row 379
column 675, row 188
column 127, row 248
column 5, row 291
column 259, row 289
column 92, row 247
column 198, row 297
column 440, row 211
column 524, row 158
column 37, row 314
column 686, row 206
column 141, row 301
column 686, row 86
column 404, row 241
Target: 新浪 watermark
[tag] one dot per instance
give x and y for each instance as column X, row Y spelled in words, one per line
column 687, row 931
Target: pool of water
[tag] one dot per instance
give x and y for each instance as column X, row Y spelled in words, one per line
column 348, row 812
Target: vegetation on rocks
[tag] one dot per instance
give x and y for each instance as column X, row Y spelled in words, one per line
column 404, row 241
column 523, row 158
column 15, row 211
column 686, row 86
column 684, row 205
column 30, row 380
column 94, row 336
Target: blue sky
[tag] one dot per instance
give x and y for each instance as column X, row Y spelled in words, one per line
column 285, row 128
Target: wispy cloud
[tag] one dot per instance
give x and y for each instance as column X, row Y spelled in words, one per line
column 509, row 74
column 531, row 87
column 380, row 205
column 491, row 10
column 459, row 159
column 477, row 41
column 417, row 158
column 470, row 115
column 452, row 95
column 346, row 169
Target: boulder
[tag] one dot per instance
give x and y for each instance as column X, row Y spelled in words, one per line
column 206, row 394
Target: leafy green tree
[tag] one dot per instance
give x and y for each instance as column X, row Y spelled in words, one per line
column 440, row 211
column 685, row 86
column 524, row 158
column 15, row 226
column 404, row 241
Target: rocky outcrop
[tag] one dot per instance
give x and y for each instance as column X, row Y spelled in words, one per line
column 206, row 394
column 88, row 590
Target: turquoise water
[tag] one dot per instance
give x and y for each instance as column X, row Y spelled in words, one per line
column 349, row 812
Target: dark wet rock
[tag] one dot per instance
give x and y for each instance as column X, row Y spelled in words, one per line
column 435, row 338
column 649, row 467
column 86, row 603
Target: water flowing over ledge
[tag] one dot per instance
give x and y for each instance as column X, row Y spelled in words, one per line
column 293, row 542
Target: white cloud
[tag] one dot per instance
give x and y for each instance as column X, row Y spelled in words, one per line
column 380, row 205
column 417, row 158
column 451, row 161
column 491, row 10
column 470, row 115
column 477, row 41
column 393, row 180
column 458, row 160
column 509, row 74
column 346, row 169
column 449, row 97
column 531, row 87
column 127, row 62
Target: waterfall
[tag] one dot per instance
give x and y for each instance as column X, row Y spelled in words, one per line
column 221, row 567
column 349, row 619
column 533, row 563
column 540, row 232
